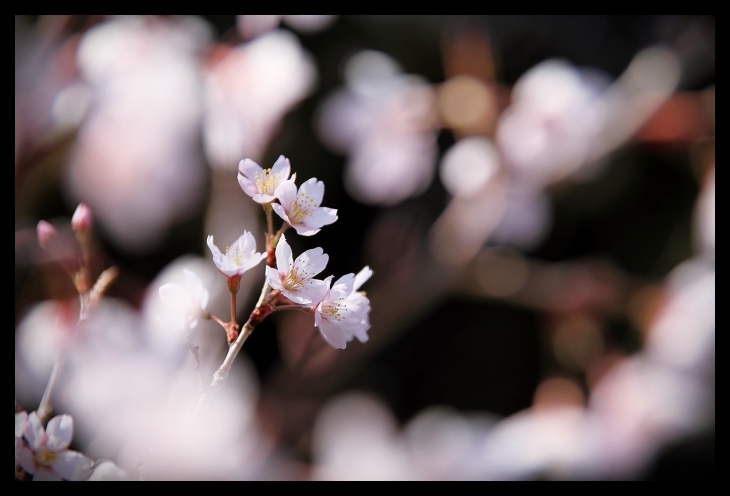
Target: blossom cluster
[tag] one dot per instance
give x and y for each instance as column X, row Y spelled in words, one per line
column 341, row 311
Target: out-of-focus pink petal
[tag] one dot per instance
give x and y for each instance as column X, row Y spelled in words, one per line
column 34, row 432
column 60, row 431
column 24, row 457
column 73, row 466
column 20, row 420
column 45, row 474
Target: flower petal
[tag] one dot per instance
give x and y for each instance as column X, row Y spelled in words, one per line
column 174, row 295
column 24, row 457
column 34, row 432
column 283, row 256
column 195, row 286
column 343, row 285
column 332, row 334
column 286, row 192
column 248, row 186
column 44, row 474
column 108, row 471
column 60, row 432
column 272, row 275
column 20, row 419
column 282, row 166
column 72, row 465
column 282, row 213
column 362, row 277
column 311, row 262
column 313, row 189
column 311, row 293
column 321, row 216
column 304, row 230
column 248, row 168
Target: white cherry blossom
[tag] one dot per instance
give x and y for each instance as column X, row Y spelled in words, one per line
column 343, row 314
column 294, row 278
column 302, row 209
column 46, row 455
column 260, row 184
column 239, row 257
column 185, row 303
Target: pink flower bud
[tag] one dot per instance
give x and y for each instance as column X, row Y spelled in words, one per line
column 46, row 233
column 82, row 220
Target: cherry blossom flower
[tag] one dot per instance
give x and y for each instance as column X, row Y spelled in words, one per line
column 260, row 184
column 294, row 278
column 343, row 313
column 238, row 258
column 185, row 303
column 47, row 456
column 302, row 209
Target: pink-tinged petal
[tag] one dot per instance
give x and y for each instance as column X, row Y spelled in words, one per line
column 311, row 262
column 311, row 293
column 282, row 213
column 60, row 432
column 108, row 471
column 303, row 230
column 73, row 466
column 344, row 284
column 284, row 257
column 362, row 277
column 274, row 278
column 261, row 198
column 253, row 261
column 248, row 186
column 34, row 432
column 195, row 286
column 321, row 216
column 213, row 248
column 282, row 166
column 24, row 457
column 313, row 189
column 20, row 419
column 173, row 294
column 45, row 474
column 361, row 333
column 247, row 243
column 286, row 192
column 248, row 168
column 332, row 334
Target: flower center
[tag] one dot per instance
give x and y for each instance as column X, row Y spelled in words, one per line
column 45, row 457
column 293, row 280
column 301, row 207
column 266, row 182
column 234, row 255
column 332, row 309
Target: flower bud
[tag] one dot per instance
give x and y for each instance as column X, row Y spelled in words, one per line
column 46, row 233
column 82, row 220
